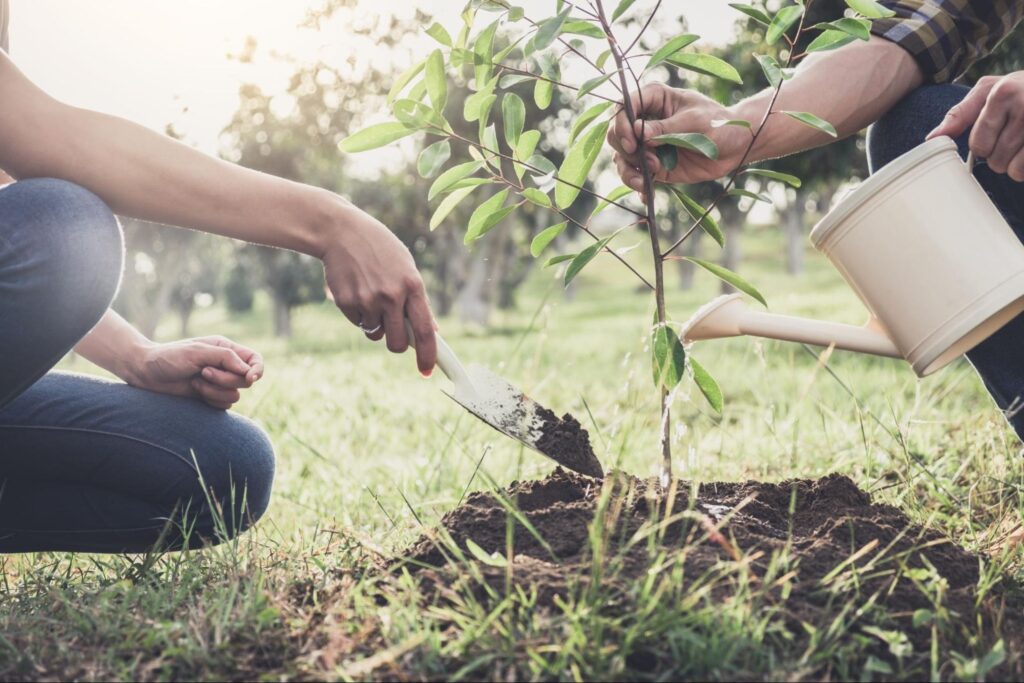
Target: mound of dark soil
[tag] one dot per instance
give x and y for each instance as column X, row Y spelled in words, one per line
column 836, row 538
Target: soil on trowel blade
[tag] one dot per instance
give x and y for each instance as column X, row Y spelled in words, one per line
column 566, row 442
column 820, row 524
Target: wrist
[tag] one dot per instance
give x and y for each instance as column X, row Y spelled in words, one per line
column 326, row 216
column 132, row 362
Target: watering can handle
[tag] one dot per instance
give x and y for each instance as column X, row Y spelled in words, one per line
column 970, row 161
column 446, row 358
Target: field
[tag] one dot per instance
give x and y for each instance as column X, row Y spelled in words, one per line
column 369, row 454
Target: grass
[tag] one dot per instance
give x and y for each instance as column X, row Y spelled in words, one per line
column 369, row 453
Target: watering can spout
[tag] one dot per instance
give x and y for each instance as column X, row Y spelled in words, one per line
column 729, row 316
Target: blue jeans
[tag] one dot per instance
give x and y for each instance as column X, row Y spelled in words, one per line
column 1000, row 358
column 87, row 464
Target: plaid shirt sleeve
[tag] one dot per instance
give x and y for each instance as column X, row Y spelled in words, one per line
column 946, row 36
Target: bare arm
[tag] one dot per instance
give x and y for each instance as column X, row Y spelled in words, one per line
column 850, row 87
column 213, row 369
column 139, row 173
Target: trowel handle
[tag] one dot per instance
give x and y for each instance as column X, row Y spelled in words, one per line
column 446, row 358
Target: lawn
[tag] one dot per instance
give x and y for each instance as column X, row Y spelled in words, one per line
column 369, row 454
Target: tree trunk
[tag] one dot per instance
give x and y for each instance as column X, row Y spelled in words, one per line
column 282, row 318
column 793, row 227
column 184, row 316
column 472, row 300
column 686, row 269
column 732, row 226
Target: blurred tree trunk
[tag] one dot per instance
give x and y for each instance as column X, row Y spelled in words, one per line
column 793, row 229
column 472, row 300
column 732, row 224
column 282, row 312
column 686, row 269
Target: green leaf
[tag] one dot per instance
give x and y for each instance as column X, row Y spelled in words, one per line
column 513, row 115
column 692, row 142
column 404, row 78
column 602, row 59
column 432, row 158
column 707, row 223
column 772, row 70
column 581, row 259
column 870, row 9
column 561, row 258
column 437, row 80
column 670, row 48
column 586, row 118
column 829, row 40
column 613, row 196
column 739, row 192
column 813, row 121
column 516, row 13
column 542, row 164
column 858, row 28
column 727, row 275
column 708, row 65
column 524, row 150
column 577, row 164
column 483, row 48
column 622, row 8
column 475, row 104
column 453, row 175
column 375, row 136
column 448, row 204
column 549, row 29
column 784, row 18
column 511, row 80
column 537, row 197
column 752, row 12
column 707, row 385
column 668, row 157
column 546, row 237
column 583, row 28
column 790, row 180
column 440, row 34
column 418, row 115
column 490, row 559
column 542, row 92
column 591, row 84
column 668, row 357
column 487, row 215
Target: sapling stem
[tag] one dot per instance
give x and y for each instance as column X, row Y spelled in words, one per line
column 652, row 230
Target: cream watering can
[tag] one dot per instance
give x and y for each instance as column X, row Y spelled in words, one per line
column 929, row 255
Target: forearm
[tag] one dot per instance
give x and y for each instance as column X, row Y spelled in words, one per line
column 850, row 88
column 143, row 174
column 114, row 345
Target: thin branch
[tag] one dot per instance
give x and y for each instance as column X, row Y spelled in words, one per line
column 540, row 171
column 519, row 187
column 625, row 53
column 552, row 81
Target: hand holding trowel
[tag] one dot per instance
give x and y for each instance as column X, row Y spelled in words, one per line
column 514, row 414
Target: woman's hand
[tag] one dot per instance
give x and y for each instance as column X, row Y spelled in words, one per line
column 995, row 107
column 374, row 281
column 212, row 369
column 661, row 110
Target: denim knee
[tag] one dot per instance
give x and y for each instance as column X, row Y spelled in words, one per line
column 66, row 250
column 242, row 485
column 907, row 124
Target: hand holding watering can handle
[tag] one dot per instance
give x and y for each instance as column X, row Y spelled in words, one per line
column 446, row 358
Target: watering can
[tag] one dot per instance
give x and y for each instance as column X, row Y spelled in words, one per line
column 934, row 262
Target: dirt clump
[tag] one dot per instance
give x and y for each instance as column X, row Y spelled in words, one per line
column 566, row 442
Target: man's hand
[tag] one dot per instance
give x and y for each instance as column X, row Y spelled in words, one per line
column 665, row 110
column 374, row 281
column 212, row 369
column 995, row 107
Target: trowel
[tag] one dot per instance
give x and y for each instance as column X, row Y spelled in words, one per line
column 514, row 414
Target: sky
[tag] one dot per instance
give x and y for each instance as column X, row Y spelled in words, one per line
column 166, row 61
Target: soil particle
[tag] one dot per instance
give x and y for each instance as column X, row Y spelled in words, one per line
column 567, row 443
column 838, row 544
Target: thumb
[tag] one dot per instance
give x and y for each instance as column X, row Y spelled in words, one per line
column 962, row 116
column 223, row 358
column 647, row 130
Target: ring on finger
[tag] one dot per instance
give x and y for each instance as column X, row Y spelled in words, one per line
column 368, row 331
